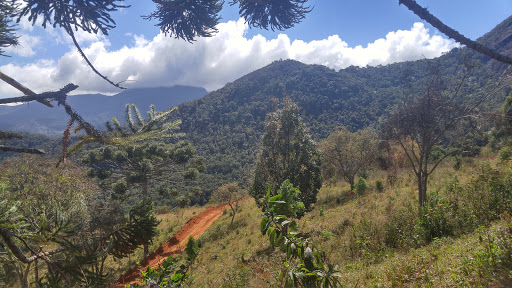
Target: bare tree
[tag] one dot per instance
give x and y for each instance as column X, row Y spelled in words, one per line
column 424, row 122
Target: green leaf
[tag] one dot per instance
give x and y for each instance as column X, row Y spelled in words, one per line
column 263, row 225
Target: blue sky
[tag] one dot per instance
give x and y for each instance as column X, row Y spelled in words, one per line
column 338, row 33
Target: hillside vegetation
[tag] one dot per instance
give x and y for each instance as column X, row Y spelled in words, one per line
column 377, row 239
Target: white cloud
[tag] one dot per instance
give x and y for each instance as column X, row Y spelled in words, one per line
column 212, row 62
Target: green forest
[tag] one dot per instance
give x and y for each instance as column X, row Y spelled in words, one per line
column 388, row 176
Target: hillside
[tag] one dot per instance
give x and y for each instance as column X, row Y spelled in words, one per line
column 226, row 124
column 375, row 238
column 95, row 108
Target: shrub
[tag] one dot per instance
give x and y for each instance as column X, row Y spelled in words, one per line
column 399, row 228
column 379, row 185
column 505, row 153
column 286, row 202
column 435, row 219
column 360, row 186
column 457, row 164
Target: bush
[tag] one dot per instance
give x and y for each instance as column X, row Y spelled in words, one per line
column 435, row 219
column 505, row 153
column 399, row 227
column 379, row 185
column 360, row 186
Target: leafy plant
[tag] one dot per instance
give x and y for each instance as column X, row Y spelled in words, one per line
column 304, row 265
column 435, row 218
column 170, row 273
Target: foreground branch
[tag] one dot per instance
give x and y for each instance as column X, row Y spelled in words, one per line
column 21, row 150
column 22, row 88
column 45, row 96
column 434, row 21
column 69, row 30
column 7, row 237
column 9, row 135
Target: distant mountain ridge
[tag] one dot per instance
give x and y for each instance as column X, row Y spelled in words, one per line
column 94, row 108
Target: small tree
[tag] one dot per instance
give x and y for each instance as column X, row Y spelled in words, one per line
column 347, row 154
column 230, row 193
column 287, row 152
column 430, row 120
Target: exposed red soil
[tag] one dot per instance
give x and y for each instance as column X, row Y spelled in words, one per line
column 194, row 227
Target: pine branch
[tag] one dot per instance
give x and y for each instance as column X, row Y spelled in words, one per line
column 69, row 30
column 434, row 21
column 7, row 237
column 21, row 150
column 65, row 141
column 57, row 95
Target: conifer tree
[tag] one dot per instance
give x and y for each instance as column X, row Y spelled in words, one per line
column 145, row 156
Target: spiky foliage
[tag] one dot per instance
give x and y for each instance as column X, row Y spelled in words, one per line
column 7, row 31
column 138, row 161
column 276, row 14
column 90, row 15
column 50, row 215
column 187, row 19
column 141, row 228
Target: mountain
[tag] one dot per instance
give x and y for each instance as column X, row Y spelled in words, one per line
column 95, row 108
column 226, row 125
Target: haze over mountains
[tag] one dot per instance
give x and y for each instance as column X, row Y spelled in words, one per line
column 95, row 108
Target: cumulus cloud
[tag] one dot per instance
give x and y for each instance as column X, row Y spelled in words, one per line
column 212, row 62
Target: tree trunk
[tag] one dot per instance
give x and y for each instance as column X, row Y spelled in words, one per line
column 234, row 212
column 145, row 196
column 422, row 187
column 351, row 182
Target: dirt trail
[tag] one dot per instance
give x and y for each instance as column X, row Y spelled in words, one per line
column 195, row 227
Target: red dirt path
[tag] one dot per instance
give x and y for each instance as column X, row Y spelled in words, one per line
column 195, row 227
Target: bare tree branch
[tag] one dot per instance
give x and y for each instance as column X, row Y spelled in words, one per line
column 9, row 135
column 52, row 95
column 22, row 88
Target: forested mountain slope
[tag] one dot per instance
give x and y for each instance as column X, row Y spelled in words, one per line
column 226, row 124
